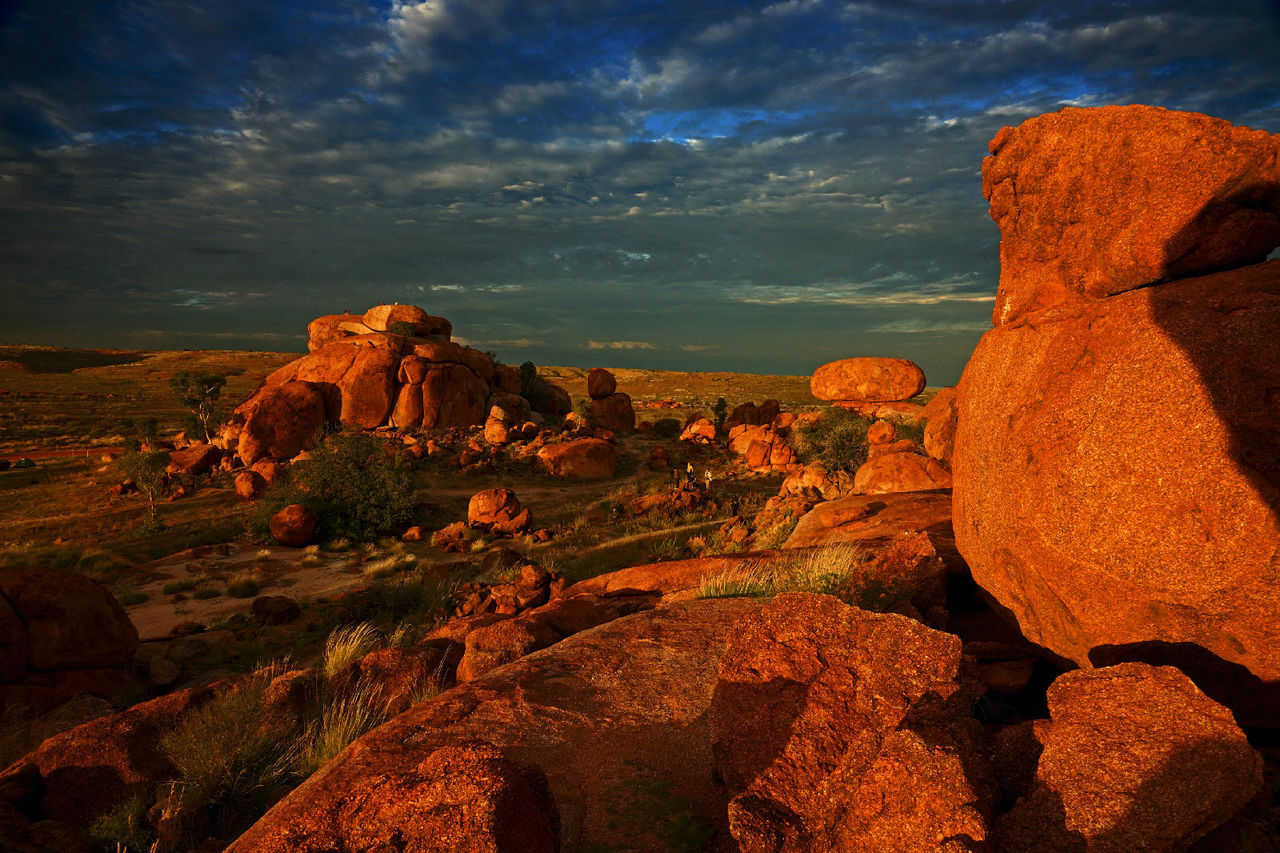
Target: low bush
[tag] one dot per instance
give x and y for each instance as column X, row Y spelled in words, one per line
column 838, row 439
column 242, row 586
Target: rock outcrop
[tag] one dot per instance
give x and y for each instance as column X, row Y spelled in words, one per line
column 1098, row 201
column 394, row 366
column 610, row 408
column 294, row 526
column 1109, row 542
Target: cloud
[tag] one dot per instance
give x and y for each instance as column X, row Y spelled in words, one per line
column 619, row 345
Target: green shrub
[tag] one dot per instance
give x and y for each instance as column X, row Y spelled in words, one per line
column 838, row 439
column 179, row 586
column 667, row 428
column 402, row 327
column 123, row 828
column 359, row 491
column 343, row 719
column 721, row 411
column 205, row 592
column 131, row 598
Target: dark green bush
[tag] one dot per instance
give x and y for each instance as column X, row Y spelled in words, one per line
column 667, row 428
column 401, row 327
column 838, row 440
column 359, row 490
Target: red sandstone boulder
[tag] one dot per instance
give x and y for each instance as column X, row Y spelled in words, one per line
column 194, row 460
column 867, row 380
column 602, row 727
column 380, row 317
column 743, row 414
column 900, row 470
column 1094, row 202
column 271, row 471
column 294, row 526
column 323, row 331
column 250, row 485
column 839, row 729
column 940, row 425
column 580, row 459
column 280, row 422
column 1107, row 542
column 600, row 383
column 452, row 396
column 700, row 431
column 875, row 520
column 1135, row 758
column 613, row 412
column 60, row 620
column 498, row 511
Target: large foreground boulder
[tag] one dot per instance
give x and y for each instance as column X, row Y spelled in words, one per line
column 1135, row 758
column 580, row 459
column 602, row 738
column 1093, row 202
column 1155, row 539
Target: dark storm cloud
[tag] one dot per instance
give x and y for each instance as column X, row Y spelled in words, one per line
column 749, row 185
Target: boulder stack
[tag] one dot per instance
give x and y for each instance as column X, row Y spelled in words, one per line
column 394, row 365
column 1117, row 485
column 610, row 408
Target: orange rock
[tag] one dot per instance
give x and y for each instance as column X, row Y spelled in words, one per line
column 613, row 412
column 453, row 396
column 407, row 413
column 323, row 331
column 867, row 380
column 496, row 431
column 768, row 410
column 817, row 728
column 940, row 425
column 615, row 710
column 700, row 431
column 580, row 459
column 413, row 370
column 499, row 511
column 1104, row 541
column 250, row 485
column 271, row 471
column 1135, row 758
column 368, row 388
column 600, row 383
column 875, row 520
column 281, row 421
column 1098, row 201
column 380, row 317
column 882, row 432
column 744, row 414
column 194, row 460
column 900, row 471
column 64, row 620
column 294, row 526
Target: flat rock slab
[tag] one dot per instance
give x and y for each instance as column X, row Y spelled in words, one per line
column 613, row 720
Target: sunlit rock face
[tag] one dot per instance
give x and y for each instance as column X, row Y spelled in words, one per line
column 1115, row 468
column 394, row 365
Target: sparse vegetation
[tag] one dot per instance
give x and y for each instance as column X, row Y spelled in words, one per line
column 146, row 470
column 838, row 439
column 721, row 411
column 821, row 570
column 243, row 586
column 348, row 644
column 344, row 718
column 358, row 489
column 198, row 395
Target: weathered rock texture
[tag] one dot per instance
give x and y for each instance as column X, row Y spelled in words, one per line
column 1135, row 758
column 580, row 459
column 61, row 634
column 604, row 736
column 1108, row 539
column 361, row 373
column 1093, row 202
column 867, row 380
column 839, row 729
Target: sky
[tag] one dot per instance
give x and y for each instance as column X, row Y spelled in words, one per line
column 694, row 185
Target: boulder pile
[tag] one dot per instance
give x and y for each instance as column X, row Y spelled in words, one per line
column 395, row 365
column 1111, row 537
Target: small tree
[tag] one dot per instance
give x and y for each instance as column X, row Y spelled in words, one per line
column 146, row 469
column 721, row 411
column 198, row 393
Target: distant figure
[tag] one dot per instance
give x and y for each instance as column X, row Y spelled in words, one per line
column 707, row 474
column 735, row 504
column 689, row 469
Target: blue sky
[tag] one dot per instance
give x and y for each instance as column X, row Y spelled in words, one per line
column 724, row 185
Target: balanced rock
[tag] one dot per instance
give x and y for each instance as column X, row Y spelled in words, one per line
column 600, row 383
column 294, row 526
column 580, row 459
column 1098, row 201
column 1135, row 758
column 1109, row 543
column 867, row 380
column 381, row 317
column 613, row 412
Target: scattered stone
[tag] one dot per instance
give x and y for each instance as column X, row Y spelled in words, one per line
column 250, row 485
column 940, row 426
